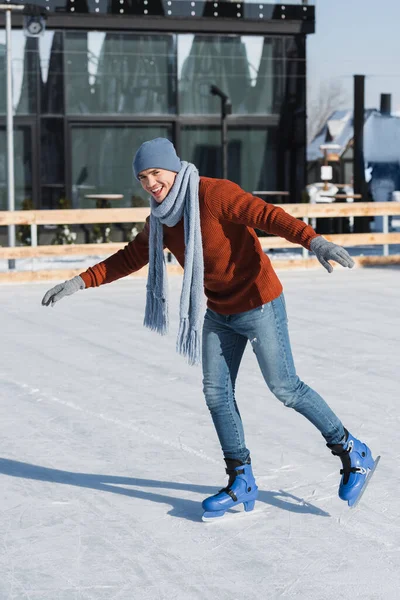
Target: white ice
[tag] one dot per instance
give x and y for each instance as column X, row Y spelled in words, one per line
column 107, row 450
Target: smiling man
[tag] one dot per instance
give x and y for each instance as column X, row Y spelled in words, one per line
column 165, row 164
column 157, row 182
column 208, row 224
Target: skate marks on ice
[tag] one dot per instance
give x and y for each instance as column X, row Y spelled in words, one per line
column 182, row 507
column 234, row 514
column 335, row 490
column 267, row 499
column 37, row 395
column 287, row 501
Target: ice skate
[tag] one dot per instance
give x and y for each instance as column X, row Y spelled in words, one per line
column 358, row 467
column 241, row 489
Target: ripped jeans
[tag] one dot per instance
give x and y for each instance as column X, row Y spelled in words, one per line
column 224, row 340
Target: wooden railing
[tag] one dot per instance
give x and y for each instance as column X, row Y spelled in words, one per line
column 137, row 215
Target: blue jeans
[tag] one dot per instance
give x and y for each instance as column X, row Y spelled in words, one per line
column 224, row 340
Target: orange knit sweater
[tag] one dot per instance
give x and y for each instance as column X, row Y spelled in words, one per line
column 238, row 276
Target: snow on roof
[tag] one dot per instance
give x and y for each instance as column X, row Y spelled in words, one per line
column 338, row 129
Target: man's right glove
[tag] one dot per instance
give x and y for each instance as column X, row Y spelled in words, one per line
column 326, row 251
column 63, row 289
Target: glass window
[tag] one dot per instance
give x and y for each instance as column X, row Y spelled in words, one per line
column 24, row 72
column 202, row 147
column 102, row 162
column 3, row 90
column 22, row 168
column 36, row 65
column 251, row 154
column 52, row 72
column 119, row 73
column 249, row 69
column 52, row 197
column 52, row 150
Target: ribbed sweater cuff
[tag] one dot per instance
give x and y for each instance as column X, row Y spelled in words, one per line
column 87, row 279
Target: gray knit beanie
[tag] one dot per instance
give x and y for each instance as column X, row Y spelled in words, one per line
column 158, row 153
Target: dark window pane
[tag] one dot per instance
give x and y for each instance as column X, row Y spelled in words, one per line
column 52, row 72
column 53, row 198
column 251, row 155
column 202, row 147
column 3, row 89
column 269, row 84
column 119, row 73
column 102, row 162
column 76, row 56
column 29, row 73
column 22, row 168
column 52, row 151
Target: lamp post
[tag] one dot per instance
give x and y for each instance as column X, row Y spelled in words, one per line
column 226, row 109
column 328, row 150
column 8, row 9
column 33, row 28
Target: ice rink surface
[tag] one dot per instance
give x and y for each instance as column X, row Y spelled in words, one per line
column 107, row 450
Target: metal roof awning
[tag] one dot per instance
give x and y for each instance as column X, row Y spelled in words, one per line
column 189, row 16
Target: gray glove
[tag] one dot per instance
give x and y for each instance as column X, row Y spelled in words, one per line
column 63, row 289
column 325, row 251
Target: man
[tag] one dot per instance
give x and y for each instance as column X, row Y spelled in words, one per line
column 208, row 224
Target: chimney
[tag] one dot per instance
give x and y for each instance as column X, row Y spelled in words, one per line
column 386, row 101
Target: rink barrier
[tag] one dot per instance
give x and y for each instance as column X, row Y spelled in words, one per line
column 267, row 243
column 307, row 212
column 278, row 264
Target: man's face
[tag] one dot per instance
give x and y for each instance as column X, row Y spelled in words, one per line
column 157, row 182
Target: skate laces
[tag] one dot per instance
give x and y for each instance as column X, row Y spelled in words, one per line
column 361, row 470
column 346, row 461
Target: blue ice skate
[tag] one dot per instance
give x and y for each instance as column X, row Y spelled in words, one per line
column 358, row 467
column 241, row 488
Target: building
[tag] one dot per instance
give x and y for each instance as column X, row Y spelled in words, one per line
column 110, row 74
column 381, row 150
column 381, row 153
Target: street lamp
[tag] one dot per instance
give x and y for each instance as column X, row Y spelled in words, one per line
column 329, row 150
column 37, row 15
column 226, row 109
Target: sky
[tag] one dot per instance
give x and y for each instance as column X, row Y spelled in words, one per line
column 356, row 37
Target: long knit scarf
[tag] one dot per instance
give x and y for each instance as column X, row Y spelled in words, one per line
column 182, row 200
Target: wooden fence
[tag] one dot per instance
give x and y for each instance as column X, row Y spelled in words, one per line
column 306, row 212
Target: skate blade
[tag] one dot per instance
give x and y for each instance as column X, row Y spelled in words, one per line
column 229, row 516
column 367, row 480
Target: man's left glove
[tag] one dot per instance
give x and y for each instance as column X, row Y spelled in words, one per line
column 325, row 251
column 63, row 289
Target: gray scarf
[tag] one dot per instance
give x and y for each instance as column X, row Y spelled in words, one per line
column 182, row 200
